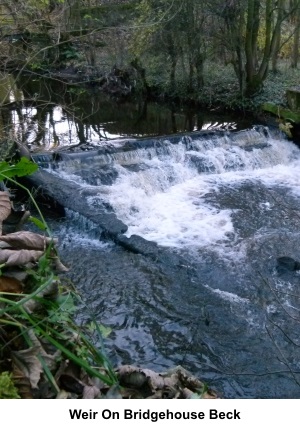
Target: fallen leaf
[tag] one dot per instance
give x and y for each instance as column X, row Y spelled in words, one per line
column 49, row 359
column 90, row 392
column 174, row 384
column 21, row 382
column 11, row 285
column 19, row 257
column 27, row 240
column 17, row 274
column 59, row 266
column 5, row 207
column 29, row 364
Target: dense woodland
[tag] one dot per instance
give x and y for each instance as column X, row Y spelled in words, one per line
column 168, row 46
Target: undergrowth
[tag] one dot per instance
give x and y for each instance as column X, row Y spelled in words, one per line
column 221, row 88
column 40, row 343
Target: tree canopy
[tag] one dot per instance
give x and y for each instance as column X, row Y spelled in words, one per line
column 174, row 37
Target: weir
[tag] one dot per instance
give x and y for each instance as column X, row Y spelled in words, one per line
column 207, row 219
column 115, row 187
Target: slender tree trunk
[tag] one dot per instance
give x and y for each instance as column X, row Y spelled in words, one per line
column 173, row 54
column 199, row 64
column 191, row 74
column 173, row 74
column 255, row 79
column 251, row 39
column 277, row 36
column 295, row 51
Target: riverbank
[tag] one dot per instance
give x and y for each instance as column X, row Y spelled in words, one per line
column 220, row 89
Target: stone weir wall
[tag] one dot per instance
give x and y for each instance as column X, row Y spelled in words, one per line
column 74, row 196
column 258, row 136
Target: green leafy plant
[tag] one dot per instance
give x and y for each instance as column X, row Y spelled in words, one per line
column 42, row 314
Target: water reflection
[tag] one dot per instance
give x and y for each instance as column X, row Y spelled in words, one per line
column 49, row 115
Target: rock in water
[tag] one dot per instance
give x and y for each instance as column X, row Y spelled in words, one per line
column 286, row 264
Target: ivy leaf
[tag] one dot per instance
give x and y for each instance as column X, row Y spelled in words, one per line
column 22, row 168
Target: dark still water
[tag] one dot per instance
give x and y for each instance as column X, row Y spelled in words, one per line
column 52, row 116
column 206, row 218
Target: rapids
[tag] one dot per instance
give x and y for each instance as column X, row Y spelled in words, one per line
column 221, row 208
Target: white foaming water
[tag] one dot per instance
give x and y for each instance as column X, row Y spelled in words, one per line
column 228, row 296
column 82, row 234
column 164, row 198
column 166, row 202
column 177, row 217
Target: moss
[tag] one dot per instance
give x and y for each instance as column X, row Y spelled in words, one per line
column 281, row 112
column 7, row 387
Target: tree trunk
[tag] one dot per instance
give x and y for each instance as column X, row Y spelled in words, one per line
column 295, row 51
column 173, row 74
column 251, row 40
column 199, row 64
column 277, row 37
column 255, row 79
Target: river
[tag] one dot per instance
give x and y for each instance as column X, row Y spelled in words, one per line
column 218, row 208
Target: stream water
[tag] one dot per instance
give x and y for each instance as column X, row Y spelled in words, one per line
column 221, row 207
column 227, row 206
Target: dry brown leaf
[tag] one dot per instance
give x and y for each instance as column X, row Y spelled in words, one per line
column 209, row 395
column 59, row 266
column 137, row 377
column 90, row 392
column 11, row 285
column 50, row 359
column 49, row 292
column 21, row 382
column 19, row 257
column 27, row 240
column 5, row 207
column 27, row 361
column 29, row 364
column 18, row 274
column 176, row 383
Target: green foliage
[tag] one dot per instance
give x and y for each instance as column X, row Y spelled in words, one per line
column 24, row 167
column 47, row 314
column 201, row 393
column 37, row 222
column 7, row 387
column 68, row 53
